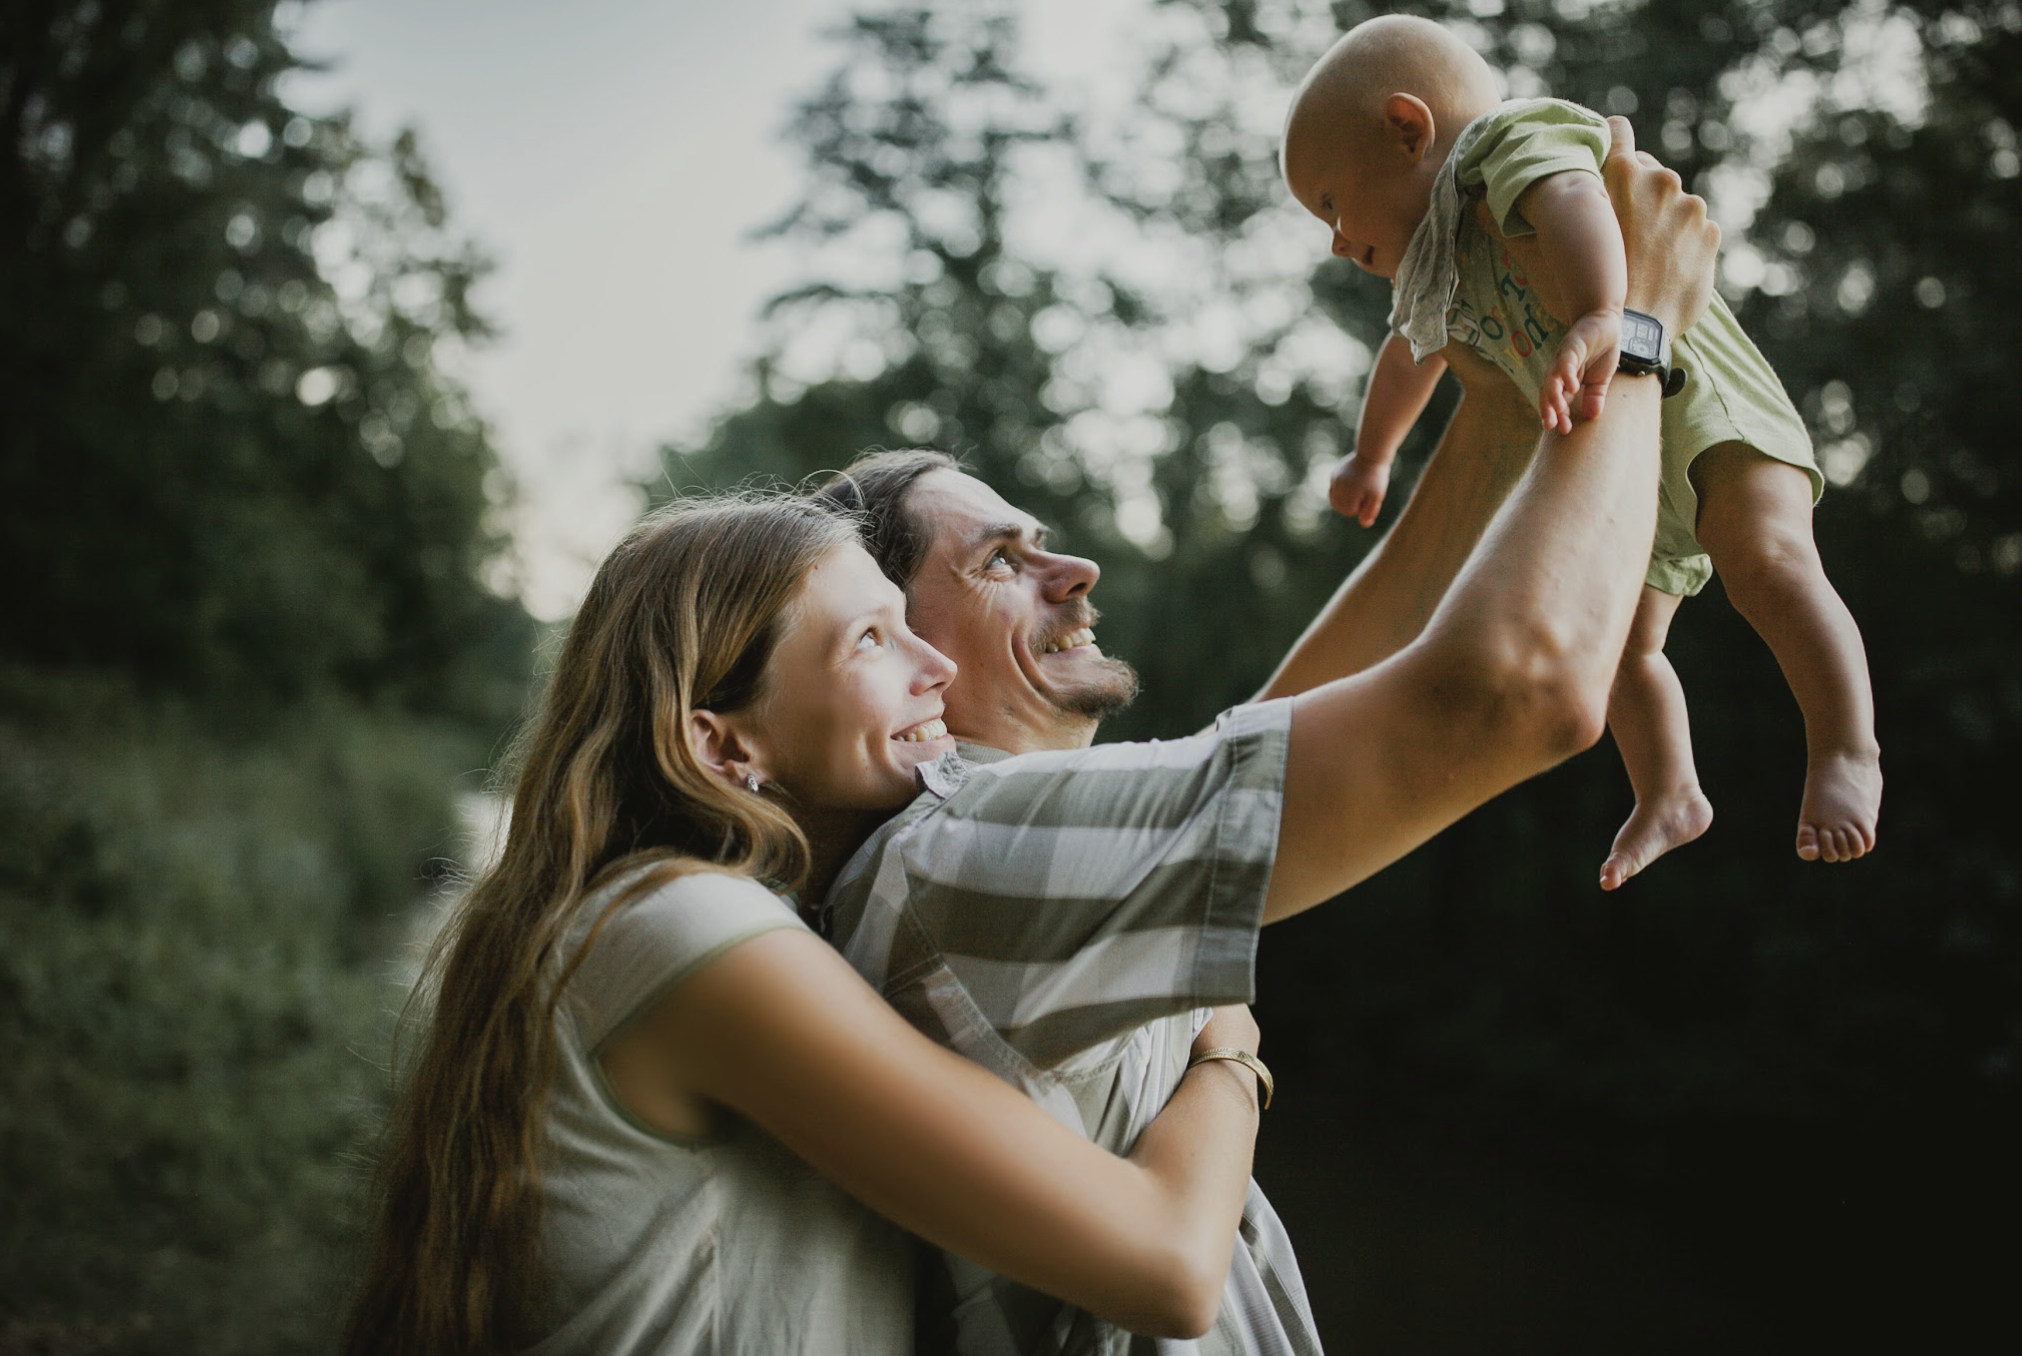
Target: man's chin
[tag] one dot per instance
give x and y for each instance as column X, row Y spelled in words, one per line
column 1104, row 692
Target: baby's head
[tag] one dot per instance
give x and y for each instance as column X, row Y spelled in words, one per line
column 1370, row 126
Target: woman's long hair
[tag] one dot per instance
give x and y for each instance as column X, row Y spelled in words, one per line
column 683, row 615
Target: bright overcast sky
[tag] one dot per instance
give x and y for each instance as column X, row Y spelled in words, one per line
column 613, row 156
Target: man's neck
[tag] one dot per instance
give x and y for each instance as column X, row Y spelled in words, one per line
column 832, row 839
column 1065, row 734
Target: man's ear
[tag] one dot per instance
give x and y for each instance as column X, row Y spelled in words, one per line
column 721, row 747
column 1409, row 122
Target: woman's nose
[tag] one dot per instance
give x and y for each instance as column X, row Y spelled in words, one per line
column 935, row 669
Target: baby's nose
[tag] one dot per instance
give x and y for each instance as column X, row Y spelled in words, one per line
column 1343, row 249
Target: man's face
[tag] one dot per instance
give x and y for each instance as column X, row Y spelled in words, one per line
column 1014, row 617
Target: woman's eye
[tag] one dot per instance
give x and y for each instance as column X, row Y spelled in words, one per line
column 869, row 640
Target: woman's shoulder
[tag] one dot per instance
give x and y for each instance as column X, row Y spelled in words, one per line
column 649, row 930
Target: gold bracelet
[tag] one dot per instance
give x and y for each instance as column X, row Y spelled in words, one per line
column 1247, row 1060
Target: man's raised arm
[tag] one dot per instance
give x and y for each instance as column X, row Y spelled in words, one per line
column 1512, row 672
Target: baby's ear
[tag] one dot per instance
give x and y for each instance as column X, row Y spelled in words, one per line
column 1409, row 122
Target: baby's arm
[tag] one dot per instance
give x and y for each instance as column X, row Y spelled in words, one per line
column 1581, row 243
column 1397, row 395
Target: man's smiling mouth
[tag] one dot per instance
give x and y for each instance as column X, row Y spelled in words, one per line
column 1072, row 640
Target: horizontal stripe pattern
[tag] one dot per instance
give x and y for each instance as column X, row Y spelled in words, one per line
column 1059, row 918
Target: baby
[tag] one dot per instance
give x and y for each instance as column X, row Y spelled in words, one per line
column 1493, row 223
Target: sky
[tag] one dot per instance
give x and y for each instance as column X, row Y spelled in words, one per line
column 614, row 158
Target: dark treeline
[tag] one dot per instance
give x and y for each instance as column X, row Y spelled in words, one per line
column 1800, row 1080
column 249, row 653
column 222, row 473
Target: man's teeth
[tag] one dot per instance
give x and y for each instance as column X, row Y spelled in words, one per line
column 1072, row 640
column 933, row 729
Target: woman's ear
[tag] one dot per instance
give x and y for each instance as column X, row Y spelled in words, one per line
column 720, row 747
column 1409, row 122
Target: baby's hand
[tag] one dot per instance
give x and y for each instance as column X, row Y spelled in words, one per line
column 1577, row 383
column 1357, row 488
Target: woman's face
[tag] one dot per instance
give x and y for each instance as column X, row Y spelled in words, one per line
column 851, row 701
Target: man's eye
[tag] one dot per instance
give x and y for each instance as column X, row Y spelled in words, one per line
column 999, row 559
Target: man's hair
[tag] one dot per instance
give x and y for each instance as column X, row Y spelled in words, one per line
column 873, row 489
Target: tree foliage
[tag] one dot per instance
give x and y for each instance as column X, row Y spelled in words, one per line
column 232, row 462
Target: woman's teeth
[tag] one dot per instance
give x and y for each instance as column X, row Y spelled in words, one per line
column 1072, row 640
column 919, row 734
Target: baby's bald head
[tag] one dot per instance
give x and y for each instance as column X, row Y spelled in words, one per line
column 1343, row 96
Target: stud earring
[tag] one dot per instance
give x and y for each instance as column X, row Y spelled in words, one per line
column 751, row 782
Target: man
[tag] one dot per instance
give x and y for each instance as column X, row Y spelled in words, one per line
column 1060, row 917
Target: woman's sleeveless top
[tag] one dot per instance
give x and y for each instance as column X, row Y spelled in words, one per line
column 729, row 1246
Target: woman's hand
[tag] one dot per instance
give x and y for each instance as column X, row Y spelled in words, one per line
column 1670, row 242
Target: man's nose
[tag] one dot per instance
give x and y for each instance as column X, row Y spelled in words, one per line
column 1070, row 577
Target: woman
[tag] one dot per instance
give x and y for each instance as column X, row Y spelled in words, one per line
column 650, row 1100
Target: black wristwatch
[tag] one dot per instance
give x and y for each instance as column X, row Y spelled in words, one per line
column 1643, row 352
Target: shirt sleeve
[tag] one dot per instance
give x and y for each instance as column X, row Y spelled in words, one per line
column 1529, row 142
column 648, row 945
column 1075, row 896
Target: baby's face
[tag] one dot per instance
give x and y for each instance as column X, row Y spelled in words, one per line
column 1369, row 195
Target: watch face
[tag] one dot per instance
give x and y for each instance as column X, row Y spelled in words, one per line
column 1642, row 337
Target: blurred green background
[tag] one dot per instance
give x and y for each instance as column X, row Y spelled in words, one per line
column 254, row 658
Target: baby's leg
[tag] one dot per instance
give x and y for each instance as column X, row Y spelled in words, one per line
column 1646, row 714
column 1755, row 522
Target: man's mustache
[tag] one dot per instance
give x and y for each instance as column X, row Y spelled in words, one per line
column 1081, row 614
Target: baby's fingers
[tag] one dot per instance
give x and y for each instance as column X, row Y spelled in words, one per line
column 1552, row 404
column 1593, row 396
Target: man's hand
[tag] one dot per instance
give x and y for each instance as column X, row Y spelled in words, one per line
column 1670, row 243
column 1356, row 491
column 1577, row 384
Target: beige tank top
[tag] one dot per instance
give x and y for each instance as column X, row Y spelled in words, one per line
column 730, row 1246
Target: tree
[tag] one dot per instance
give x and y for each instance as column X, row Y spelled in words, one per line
column 224, row 471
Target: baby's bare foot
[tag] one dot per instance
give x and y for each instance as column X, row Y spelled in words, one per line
column 1654, row 828
column 1842, row 801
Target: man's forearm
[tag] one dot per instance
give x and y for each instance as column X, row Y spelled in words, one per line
column 1386, row 602
column 1511, row 674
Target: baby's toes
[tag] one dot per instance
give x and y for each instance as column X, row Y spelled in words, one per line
column 1807, row 842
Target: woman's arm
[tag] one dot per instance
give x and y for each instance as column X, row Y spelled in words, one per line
column 783, row 1031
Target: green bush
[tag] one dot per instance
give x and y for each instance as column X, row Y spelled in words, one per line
column 195, row 1005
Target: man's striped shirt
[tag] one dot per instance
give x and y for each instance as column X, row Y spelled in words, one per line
column 1064, row 919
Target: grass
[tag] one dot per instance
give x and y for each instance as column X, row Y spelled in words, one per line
column 195, row 999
